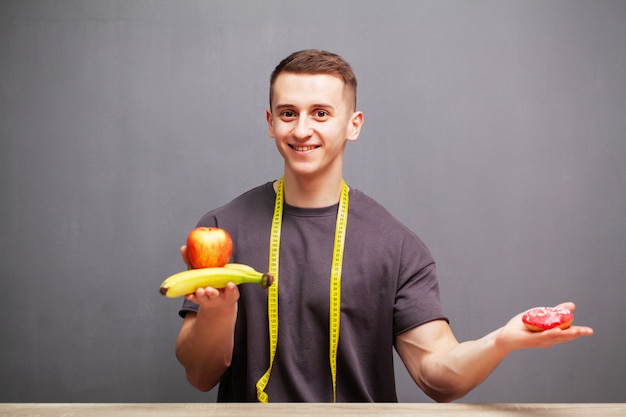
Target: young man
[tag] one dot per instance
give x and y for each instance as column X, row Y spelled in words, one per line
column 340, row 305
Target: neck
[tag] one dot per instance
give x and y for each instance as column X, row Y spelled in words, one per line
column 307, row 193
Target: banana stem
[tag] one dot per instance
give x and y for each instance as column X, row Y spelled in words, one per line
column 266, row 280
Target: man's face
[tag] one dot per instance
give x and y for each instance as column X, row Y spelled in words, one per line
column 311, row 121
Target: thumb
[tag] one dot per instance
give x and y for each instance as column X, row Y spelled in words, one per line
column 183, row 254
column 568, row 305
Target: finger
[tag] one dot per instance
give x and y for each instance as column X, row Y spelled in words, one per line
column 231, row 292
column 556, row 335
column 568, row 305
column 200, row 293
column 203, row 296
column 183, row 254
column 580, row 330
column 192, row 297
column 210, row 292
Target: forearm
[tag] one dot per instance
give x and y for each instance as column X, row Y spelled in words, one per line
column 205, row 345
column 444, row 368
column 450, row 374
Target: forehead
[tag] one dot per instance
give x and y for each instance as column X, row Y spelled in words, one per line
column 296, row 88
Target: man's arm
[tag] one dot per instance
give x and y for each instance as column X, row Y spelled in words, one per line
column 447, row 370
column 205, row 341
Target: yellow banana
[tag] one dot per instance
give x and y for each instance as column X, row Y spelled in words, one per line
column 187, row 282
column 241, row 267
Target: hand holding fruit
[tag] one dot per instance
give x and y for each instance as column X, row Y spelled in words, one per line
column 208, row 250
column 212, row 298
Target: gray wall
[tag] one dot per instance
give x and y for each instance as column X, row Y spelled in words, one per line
column 494, row 129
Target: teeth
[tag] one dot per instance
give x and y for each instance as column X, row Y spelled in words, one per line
column 304, row 148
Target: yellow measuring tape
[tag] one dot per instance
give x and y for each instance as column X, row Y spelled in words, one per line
column 335, row 287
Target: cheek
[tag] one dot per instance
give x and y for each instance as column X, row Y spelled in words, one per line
column 279, row 130
column 335, row 134
column 282, row 149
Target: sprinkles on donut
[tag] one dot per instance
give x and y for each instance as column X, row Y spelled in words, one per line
column 543, row 318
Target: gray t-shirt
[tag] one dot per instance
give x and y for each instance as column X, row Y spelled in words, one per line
column 388, row 286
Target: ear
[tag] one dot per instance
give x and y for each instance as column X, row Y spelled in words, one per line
column 354, row 127
column 270, row 120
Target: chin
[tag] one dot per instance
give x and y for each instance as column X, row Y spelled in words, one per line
column 303, row 170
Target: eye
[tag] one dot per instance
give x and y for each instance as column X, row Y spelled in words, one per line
column 287, row 114
column 321, row 114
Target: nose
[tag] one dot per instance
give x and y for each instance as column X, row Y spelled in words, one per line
column 302, row 129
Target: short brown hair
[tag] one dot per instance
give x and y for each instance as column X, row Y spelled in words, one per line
column 315, row 61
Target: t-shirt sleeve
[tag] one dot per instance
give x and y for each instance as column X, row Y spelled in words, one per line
column 417, row 296
column 187, row 307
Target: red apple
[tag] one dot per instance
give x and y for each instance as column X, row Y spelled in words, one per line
column 208, row 247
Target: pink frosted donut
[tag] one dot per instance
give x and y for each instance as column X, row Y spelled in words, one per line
column 543, row 318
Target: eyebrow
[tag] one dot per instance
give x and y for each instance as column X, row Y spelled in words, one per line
column 315, row 105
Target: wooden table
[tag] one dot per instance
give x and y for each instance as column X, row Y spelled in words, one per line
column 308, row 410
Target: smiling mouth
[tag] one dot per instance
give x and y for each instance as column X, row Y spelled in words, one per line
column 304, row 148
